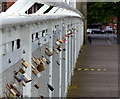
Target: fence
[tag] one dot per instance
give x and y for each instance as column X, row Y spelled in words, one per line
column 39, row 52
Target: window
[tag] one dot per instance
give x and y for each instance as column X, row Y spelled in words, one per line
column 4, row 49
column 43, row 33
column 18, row 43
column 11, row 46
column 35, row 36
column 34, row 8
column 48, row 9
column 56, row 10
column 32, row 37
column 46, row 32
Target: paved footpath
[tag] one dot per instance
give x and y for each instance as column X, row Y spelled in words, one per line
column 96, row 73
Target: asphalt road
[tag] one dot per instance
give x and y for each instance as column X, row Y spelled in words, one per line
column 96, row 72
column 102, row 39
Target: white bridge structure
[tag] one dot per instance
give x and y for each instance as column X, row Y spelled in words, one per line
column 39, row 45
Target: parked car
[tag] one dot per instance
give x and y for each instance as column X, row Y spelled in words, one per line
column 94, row 29
column 108, row 29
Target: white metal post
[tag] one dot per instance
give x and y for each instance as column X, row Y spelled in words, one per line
column 73, row 49
column 0, row 63
column 66, row 60
column 60, row 67
column 82, row 33
column 27, row 44
column 50, row 31
column 70, row 41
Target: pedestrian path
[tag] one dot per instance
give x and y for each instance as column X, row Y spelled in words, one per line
column 96, row 72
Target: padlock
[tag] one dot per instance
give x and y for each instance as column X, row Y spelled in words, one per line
column 43, row 59
column 61, row 41
column 36, row 72
column 36, row 86
column 63, row 58
column 15, row 72
column 48, row 52
column 34, row 60
column 48, row 62
column 57, row 62
column 66, row 35
column 64, row 49
column 50, row 87
column 69, row 32
column 58, row 48
column 22, row 83
column 56, row 51
column 64, row 41
column 37, row 60
column 27, row 79
column 21, row 71
column 41, row 66
column 41, row 97
column 18, row 79
column 14, row 87
column 11, row 95
column 57, row 43
column 25, row 64
column 11, row 90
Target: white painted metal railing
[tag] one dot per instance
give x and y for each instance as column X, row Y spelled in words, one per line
column 23, row 36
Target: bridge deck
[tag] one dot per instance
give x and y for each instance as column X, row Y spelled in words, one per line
column 99, row 74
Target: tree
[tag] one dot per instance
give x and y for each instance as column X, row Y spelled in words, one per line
column 118, row 22
column 101, row 12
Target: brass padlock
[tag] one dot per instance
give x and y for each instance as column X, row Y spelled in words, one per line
column 11, row 95
column 25, row 64
column 35, row 71
column 48, row 52
column 61, row 41
column 59, row 48
column 41, row 66
column 11, row 90
column 43, row 59
column 37, row 60
column 34, row 60
column 21, row 71
column 14, row 87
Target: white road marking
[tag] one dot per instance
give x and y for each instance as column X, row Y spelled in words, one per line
column 109, row 41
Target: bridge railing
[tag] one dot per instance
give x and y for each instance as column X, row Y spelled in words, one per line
column 53, row 41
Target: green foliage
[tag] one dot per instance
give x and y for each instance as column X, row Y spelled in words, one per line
column 101, row 12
